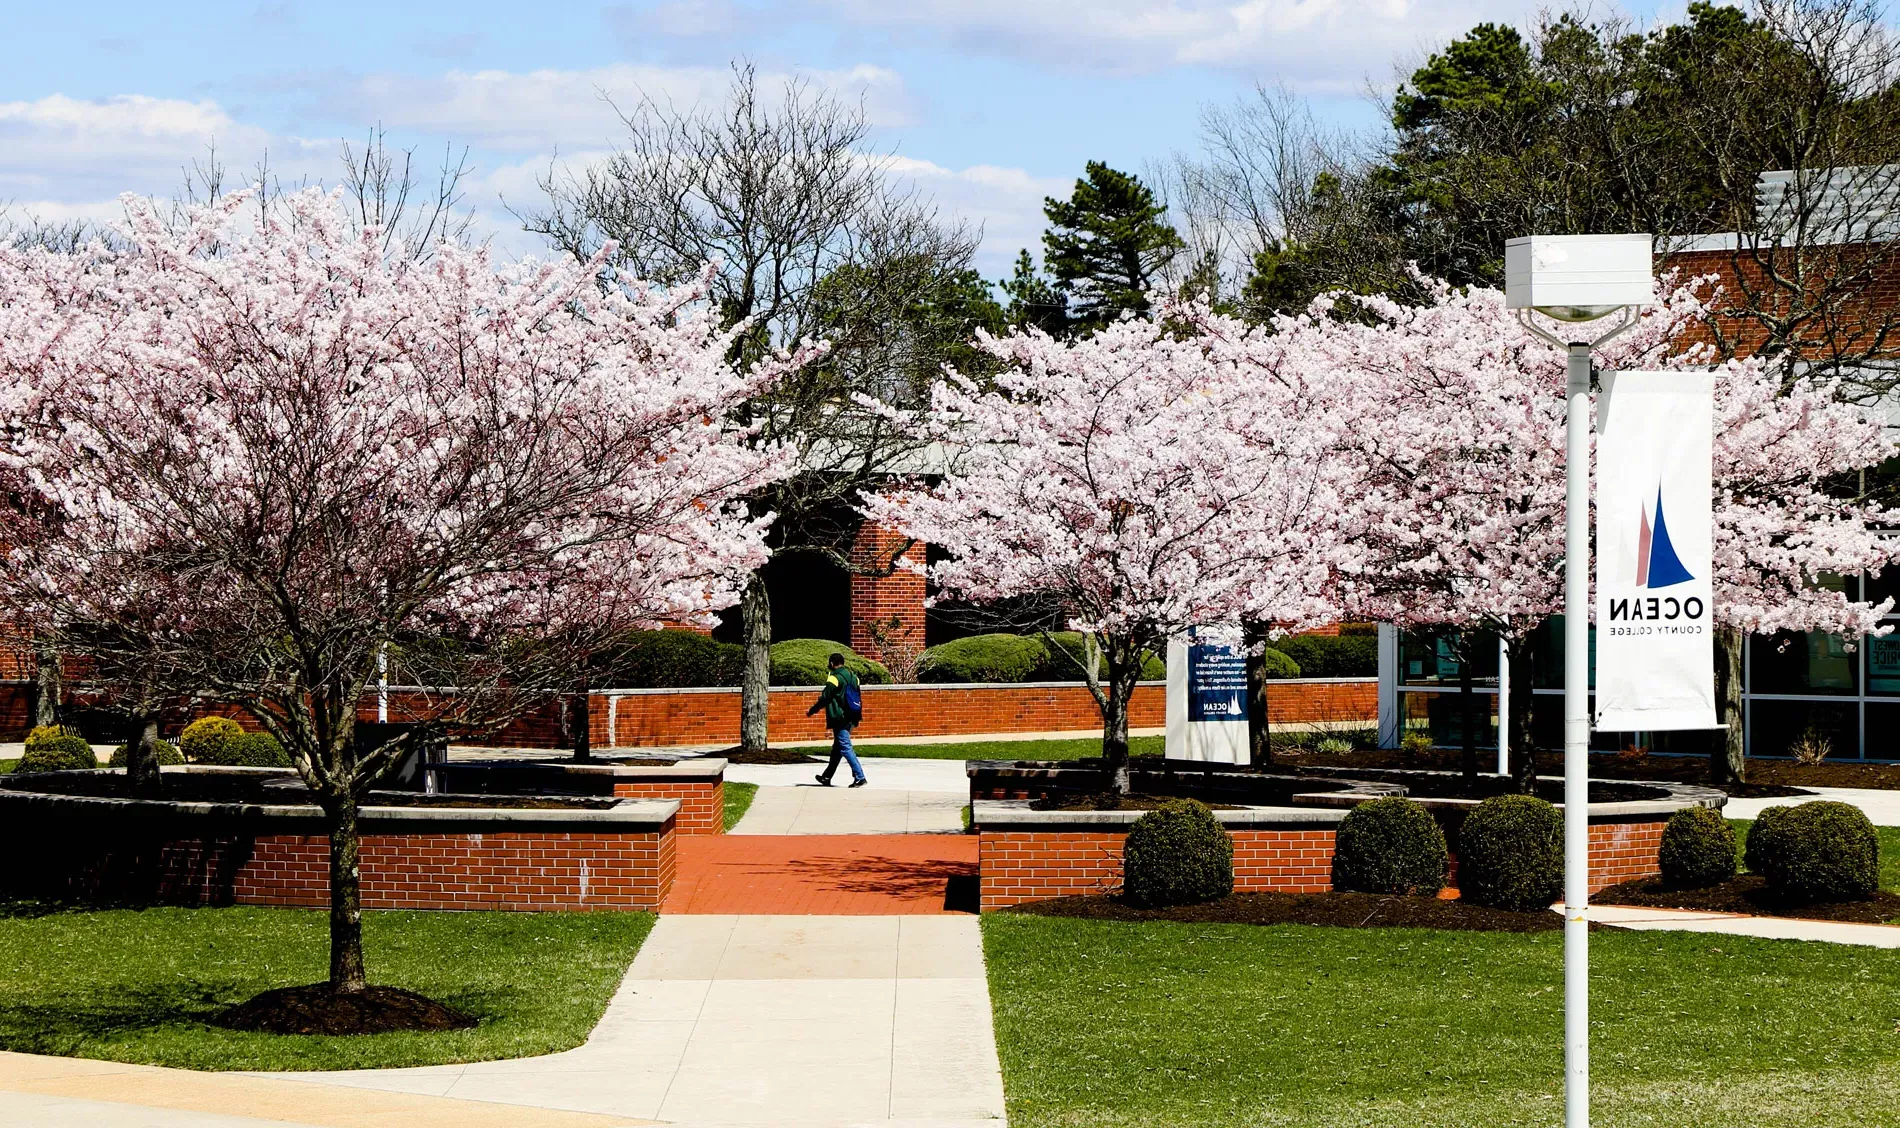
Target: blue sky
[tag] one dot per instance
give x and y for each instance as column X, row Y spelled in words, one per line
column 991, row 104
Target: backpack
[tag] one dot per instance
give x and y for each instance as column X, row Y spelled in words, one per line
column 853, row 701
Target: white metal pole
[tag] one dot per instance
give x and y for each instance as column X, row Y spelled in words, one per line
column 1577, row 744
column 382, row 683
column 1504, row 707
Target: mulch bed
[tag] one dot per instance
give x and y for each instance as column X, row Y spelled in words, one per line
column 1332, row 910
column 1747, row 893
column 490, row 802
column 1767, row 779
column 315, row 1009
column 1104, row 801
column 737, row 755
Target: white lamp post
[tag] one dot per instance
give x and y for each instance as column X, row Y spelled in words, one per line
column 1577, row 278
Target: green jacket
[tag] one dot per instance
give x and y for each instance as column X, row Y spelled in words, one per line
column 832, row 700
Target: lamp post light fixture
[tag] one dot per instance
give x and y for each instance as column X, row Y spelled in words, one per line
column 1577, row 279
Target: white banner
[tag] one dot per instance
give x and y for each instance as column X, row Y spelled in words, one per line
column 1207, row 701
column 1655, row 651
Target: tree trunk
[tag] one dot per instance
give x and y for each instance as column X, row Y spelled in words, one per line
column 1259, row 729
column 1115, row 733
column 755, row 612
column 583, row 712
column 46, row 684
column 346, row 899
column 141, row 758
column 1467, row 700
column 1726, row 762
column 1522, row 656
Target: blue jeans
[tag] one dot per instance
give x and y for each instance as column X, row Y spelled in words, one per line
column 841, row 746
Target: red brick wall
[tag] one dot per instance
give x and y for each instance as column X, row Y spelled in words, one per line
column 524, row 872
column 1864, row 306
column 702, row 804
column 879, row 599
column 712, row 716
column 1033, row 865
column 16, row 711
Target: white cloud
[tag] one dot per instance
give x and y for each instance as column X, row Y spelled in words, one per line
column 1007, row 202
column 548, row 109
column 1321, row 45
column 60, row 148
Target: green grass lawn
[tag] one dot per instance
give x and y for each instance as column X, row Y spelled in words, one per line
column 739, row 798
column 1074, row 749
column 1111, row 1024
column 137, row 985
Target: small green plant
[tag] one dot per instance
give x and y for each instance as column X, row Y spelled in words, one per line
column 58, row 752
column 1698, row 849
column 1389, row 846
column 1811, row 747
column 164, row 751
column 1177, row 854
column 1415, row 745
column 1333, row 746
column 1511, row 853
column 204, row 739
column 1817, row 852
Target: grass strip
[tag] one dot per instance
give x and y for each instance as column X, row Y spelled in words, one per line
column 739, row 798
column 138, row 985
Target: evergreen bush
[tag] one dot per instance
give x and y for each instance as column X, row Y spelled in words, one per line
column 1511, row 853
column 165, row 751
column 1389, row 846
column 251, row 750
column 1178, row 854
column 984, row 658
column 58, row 752
column 1066, row 656
column 1821, row 851
column 204, row 739
column 804, row 661
column 44, row 735
column 1332, row 656
column 670, row 660
column 1698, row 849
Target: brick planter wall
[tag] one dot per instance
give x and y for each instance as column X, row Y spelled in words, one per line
column 702, row 803
column 1019, row 863
column 195, row 853
column 698, row 785
column 521, row 872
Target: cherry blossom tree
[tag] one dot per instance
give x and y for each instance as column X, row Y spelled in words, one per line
column 1457, row 445
column 250, row 454
column 1135, row 481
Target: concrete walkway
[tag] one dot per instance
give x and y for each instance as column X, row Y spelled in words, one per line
column 1882, row 806
column 888, row 773
column 44, row 1092
column 811, row 809
column 1738, row 924
column 739, row 1021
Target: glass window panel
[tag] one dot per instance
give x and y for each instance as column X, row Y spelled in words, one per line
column 1813, row 662
column 1432, row 658
column 1883, row 731
column 1778, row 725
column 1883, row 665
column 1547, row 730
column 1548, row 638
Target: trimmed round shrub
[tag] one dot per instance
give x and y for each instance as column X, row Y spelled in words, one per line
column 1389, row 846
column 802, row 661
column 1333, row 656
column 42, row 735
column 204, row 739
column 1761, row 837
column 165, row 750
column 1178, row 854
column 984, row 658
column 670, row 660
column 1065, row 657
column 1278, row 664
column 1698, row 849
column 251, row 750
column 60, row 752
column 1820, row 851
column 1511, row 853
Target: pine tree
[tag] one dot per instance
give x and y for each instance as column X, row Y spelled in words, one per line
column 1034, row 301
column 1106, row 245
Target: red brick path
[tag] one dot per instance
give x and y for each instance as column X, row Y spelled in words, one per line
column 825, row 874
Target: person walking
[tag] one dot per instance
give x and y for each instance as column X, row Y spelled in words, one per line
column 844, row 710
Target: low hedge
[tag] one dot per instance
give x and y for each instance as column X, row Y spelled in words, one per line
column 204, row 739
column 1817, row 852
column 166, row 752
column 1698, row 849
column 1068, row 664
column 1177, row 854
column 44, row 736
column 1332, row 656
column 57, row 752
column 805, row 661
column 250, row 750
column 985, row 658
column 670, row 660
column 1389, row 846
column 1511, row 853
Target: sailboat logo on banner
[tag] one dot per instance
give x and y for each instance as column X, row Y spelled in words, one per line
column 1657, row 565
